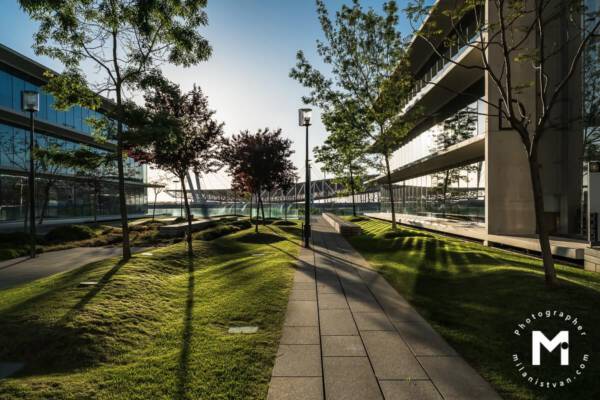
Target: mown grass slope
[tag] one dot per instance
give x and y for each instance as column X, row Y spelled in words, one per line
column 154, row 327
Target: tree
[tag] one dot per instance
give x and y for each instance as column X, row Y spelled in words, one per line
column 175, row 132
column 159, row 183
column 344, row 152
column 457, row 128
column 521, row 37
column 258, row 162
column 123, row 40
column 364, row 50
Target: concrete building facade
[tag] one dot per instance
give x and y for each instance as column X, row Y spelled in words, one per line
column 464, row 163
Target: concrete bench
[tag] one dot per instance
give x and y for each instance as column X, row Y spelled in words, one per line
column 342, row 227
column 180, row 228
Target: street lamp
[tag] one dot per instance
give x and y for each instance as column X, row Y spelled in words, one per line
column 30, row 102
column 304, row 117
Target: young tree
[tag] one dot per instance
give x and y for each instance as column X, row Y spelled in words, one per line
column 159, row 183
column 122, row 40
column 258, row 162
column 364, row 50
column 176, row 132
column 344, row 152
column 521, row 51
column 456, row 129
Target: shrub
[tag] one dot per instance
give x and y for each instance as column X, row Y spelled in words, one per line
column 15, row 238
column 284, row 223
column 216, row 232
column 358, row 219
column 69, row 233
column 243, row 224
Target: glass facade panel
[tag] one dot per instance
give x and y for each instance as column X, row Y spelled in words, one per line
column 458, row 193
column 67, row 199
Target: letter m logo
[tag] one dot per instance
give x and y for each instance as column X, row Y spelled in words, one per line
column 538, row 339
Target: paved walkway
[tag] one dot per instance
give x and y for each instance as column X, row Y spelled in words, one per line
column 349, row 335
column 24, row 269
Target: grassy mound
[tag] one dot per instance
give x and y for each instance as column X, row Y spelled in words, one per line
column 69, row 233
column 154, row 327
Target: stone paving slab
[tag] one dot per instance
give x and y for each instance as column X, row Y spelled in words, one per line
column 337, row 322
column 296, row 388
column 409, row 390
column 455, row 379
column 343, row 346
column 328, row 301
column 301, row 313
column 298, row 360
column 350, row 378
column 349, row 335
column 300, row 335
column 391, row 357
column 373, row 321
column 303, row 295
column 422, row 339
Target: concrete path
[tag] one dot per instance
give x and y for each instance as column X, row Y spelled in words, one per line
column 24, row 269
column 349, row 335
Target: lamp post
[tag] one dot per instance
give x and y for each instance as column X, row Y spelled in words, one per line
column 304, row 116
column 30, row 102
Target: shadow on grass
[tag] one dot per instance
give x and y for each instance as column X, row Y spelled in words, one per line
column 93, row 292
column 475, row 299
column 184, row 356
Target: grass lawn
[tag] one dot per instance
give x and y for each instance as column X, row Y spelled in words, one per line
column 156, row 326
column 475, row 296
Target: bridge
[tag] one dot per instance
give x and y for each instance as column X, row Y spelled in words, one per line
column 320, row 189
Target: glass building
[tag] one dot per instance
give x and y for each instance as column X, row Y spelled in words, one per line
column 62, row 193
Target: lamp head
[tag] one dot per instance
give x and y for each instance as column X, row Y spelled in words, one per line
column 30, row 101
column 304, row 116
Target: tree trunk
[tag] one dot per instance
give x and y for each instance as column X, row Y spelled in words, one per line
column 390, row 190
column 262, row 208
column 544, row 237
column 96, row 195
column 352, row 190
column 154, row 207
column 256, row 220
column 188, row 216
column 445, row 192
column 122, row 195
column 45, row 203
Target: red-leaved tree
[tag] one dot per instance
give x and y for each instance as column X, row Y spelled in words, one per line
column 258, row 162
column 175, row 132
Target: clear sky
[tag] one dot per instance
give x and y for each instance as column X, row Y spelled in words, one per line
column 254, row 46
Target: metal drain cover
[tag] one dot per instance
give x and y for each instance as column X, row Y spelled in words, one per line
column 243, row 329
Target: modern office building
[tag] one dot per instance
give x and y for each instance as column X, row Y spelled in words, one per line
column 462, row 163
column 70, row 195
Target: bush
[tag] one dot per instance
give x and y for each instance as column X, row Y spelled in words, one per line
column 216, row 232
column 284, row 223
column 179, row 220
column 358, row 219
column 69, row 233
column 243, row 224
column 15, row 238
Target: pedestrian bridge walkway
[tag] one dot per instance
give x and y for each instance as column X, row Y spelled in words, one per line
column 349, row 335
